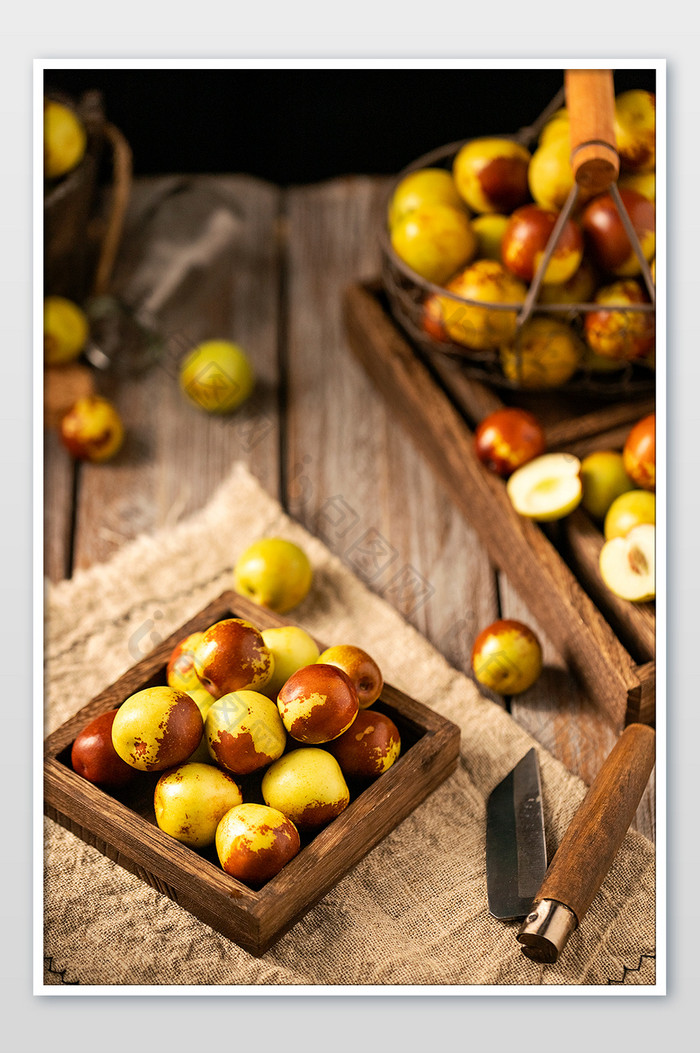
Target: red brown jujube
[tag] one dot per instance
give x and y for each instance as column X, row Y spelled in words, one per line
column 232, row 656
column 318, row 703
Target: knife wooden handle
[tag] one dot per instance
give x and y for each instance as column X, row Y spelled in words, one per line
column 597, row 830
column 590, row 102
column 590, row 843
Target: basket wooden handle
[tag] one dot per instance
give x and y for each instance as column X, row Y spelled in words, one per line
column 590, row 102
column 122, row 168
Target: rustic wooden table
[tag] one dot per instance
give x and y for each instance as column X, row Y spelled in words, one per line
column 236, row 257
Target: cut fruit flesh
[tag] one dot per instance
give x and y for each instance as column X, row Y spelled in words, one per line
column 546, row 488
column 627, row 564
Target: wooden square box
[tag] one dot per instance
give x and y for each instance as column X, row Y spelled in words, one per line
column 609, row 644
column 122, row 825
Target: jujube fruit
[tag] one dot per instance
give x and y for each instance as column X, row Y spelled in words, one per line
column 639, row 452
column 546, row 488
column 507, row 657
column 434, row 240
column 527, row 238
column 545, row 353
column 360, row 667
column 291, row 648
column 318, row 703
column 491, row 174
column 508, row 438
column 635, row 129
column 603, row 478
column 274, row 573
column 607, row 240
column 628, row 564
column 217, row 376
column 424, row 186
column 629, row 510
column 613, row 332
column 477, row 326
column 179, row 671
column 191, row 799
column 92, row 430
column 66, row 330
column 94, row 757
column 231, row 656
column 157, row 728
column 308, row 786
column 369, row 747
column 254, row 842
column 65, row 139
column 244, row 732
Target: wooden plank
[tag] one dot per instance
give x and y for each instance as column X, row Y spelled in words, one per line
column 565, row 427
column 349, row 475
column 634, row 623
column 516, row 545
column 59, row 473
column 206, row 267
column 614, row 419
column 63, row 386
column 614, row 439
column 558, row 713
column 162, row 862
column 642, row 698
column 475, row 400
column 353, row 478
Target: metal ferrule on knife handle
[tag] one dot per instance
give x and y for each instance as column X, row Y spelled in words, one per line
column 546, row 929
column 589, row 846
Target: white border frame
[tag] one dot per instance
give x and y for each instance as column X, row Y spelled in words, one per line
column 40, row 66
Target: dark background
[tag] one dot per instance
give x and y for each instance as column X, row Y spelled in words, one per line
column 303, row 125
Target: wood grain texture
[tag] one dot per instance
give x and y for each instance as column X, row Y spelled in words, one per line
column 590, row 100
column 353, row 477
column 516, row 545
column 474, row 399
column 613, row 439
column 615, row 419
column 317, row 433
column 59, row 477
column 557, row 710
column 175, row 454
column 567, row 426
column 122, row 825
column 63, row 386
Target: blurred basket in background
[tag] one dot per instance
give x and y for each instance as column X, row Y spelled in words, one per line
column 429, row 312
column 81, row 233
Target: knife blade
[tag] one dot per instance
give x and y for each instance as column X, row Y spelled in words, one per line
column 516, row 853
column 589, row 846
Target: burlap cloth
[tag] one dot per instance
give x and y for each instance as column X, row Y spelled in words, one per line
column 413, row 911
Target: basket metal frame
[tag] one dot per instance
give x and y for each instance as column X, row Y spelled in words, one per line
column 407, row 296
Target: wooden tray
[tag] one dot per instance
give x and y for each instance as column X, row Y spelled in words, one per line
column 123, row 827
column 609, row 644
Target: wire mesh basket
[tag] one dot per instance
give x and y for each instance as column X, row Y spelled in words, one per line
column 505, row 364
